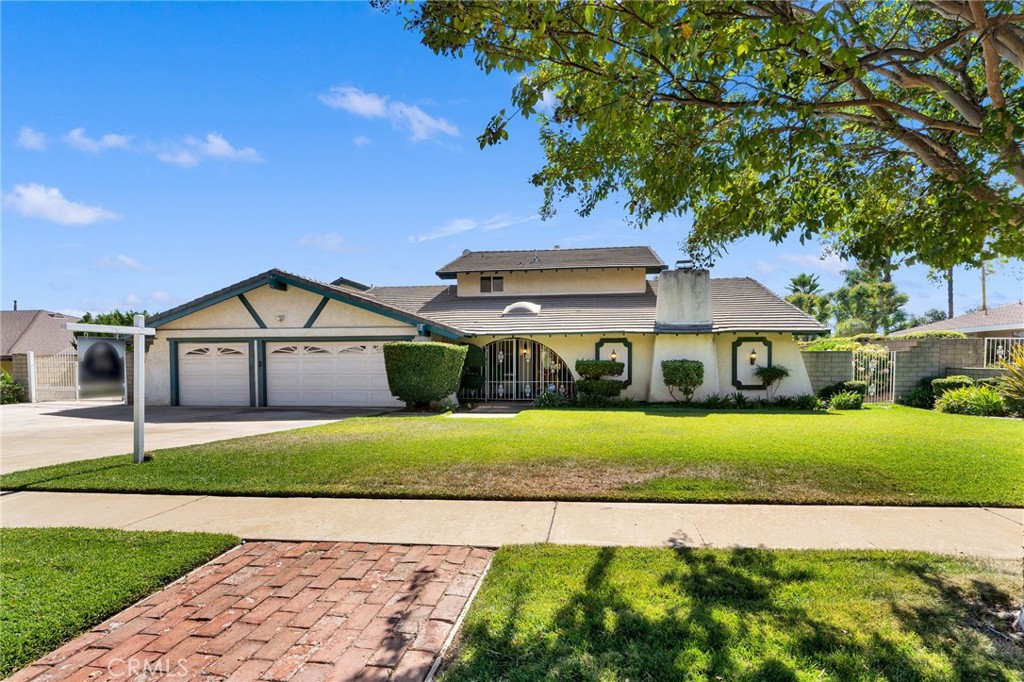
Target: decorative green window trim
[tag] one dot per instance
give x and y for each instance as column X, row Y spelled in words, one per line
column 629, row 356
column 252, row 311
column 735, row 361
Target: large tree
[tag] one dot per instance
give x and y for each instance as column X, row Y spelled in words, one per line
column 890, row 131
column 868, row 303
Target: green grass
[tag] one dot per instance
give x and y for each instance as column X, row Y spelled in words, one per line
column 549, row 612
column 895, row 455
column 59, row 582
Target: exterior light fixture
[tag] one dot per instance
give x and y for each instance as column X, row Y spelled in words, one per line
column 614, row 356
column 280, row 317
column 753, row 356
column 526, row 352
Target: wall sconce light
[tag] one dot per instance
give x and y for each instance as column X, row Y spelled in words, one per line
column 753, row 356
column 614, row 356
column 280, row 317
column 526, row 352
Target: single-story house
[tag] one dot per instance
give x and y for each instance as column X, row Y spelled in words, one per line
column 281, row 339
column 32, row 331
column 1002, row 321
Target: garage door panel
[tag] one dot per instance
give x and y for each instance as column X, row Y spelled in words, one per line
column 327, row 373
column 213, row 374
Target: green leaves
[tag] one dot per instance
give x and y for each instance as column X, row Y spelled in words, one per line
column 853, row 124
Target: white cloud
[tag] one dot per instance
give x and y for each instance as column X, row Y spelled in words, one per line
column 830, row 263
column 29, row 138
column 460, row 225
column 38, row 201
column 765, row 267
column 160, row 296
column 420, row 124
column 548, row 102
column 133, row 301
column 331, row 242
column 121, row 262
column 190, row 151
column 361, row 140
column 79, row 140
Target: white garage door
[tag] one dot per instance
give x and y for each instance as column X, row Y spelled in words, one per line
column 213, row 374
column 344, row 374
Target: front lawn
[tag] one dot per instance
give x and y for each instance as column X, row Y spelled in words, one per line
column 59, row 582
column 586, row 613
column 882, row 455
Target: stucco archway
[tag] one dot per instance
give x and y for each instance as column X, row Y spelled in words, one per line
column 521, row 369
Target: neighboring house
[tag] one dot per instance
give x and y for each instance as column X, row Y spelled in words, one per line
column 281, row 339
column 37, row 331
column 1003, row 321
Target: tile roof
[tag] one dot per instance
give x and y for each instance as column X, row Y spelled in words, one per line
column 554, row 259
column 738, row 304
column 979, row 320
column 38, row 331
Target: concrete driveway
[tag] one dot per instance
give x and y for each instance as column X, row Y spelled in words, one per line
column 35, row 435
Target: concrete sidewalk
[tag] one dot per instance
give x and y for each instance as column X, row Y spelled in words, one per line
column 987, row 532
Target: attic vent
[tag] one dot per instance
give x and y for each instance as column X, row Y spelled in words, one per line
column 522, row 307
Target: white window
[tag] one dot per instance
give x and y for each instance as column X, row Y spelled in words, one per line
column 492, row 285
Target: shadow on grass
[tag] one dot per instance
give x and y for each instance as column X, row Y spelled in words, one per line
column 736, row 615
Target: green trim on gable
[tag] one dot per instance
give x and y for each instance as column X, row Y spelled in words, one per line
column 316, row 312
column 735, row 361
column 252, row 311
column 629, row 356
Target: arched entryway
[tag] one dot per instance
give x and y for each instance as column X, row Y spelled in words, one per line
column 521, row 369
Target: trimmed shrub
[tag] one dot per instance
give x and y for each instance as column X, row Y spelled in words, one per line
column 606, row 388
column 856, row 386
column 10, row 390
column 420, row 373
column 475, row 357
column 847, row 400
column 685, row 375
column 552, row 400
column 596, row 369
column 771, row 377
column 806, row 401
column 981, row 401
column 591, row 399
column 943, row 384
column 837, row 343
column 473, row 382
column 934, row 334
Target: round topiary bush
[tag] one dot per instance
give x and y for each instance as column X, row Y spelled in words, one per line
column 685, row 375
column 422, row 373
column 943, row 384
column 595, row 369
column 606, row 388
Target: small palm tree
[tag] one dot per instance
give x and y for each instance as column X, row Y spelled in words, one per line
column 804, row 284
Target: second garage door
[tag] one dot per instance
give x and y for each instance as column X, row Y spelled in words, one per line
column 314, row 374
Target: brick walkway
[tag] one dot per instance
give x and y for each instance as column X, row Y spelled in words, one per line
column 284, row 611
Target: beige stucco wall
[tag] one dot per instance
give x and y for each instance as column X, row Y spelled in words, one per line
column 785, row 352
column 608, row 280
column 581, row 347
column 685, row 347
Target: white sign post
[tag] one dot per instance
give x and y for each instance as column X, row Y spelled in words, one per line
column 139, row 332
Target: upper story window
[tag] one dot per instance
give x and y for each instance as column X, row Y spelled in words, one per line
column 492, row 285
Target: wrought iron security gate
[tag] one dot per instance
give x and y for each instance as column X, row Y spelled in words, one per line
column 878, row 371
column 57, row 376
column 521, row 369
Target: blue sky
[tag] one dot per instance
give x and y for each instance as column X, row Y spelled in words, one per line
column 155, row 152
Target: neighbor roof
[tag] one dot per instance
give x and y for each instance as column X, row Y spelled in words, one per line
column 554, row 259
column 1010, row 316
column 738, row 304
column 38, row 331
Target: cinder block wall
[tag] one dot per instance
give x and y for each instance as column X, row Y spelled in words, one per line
column 929, row 358
column 19, row 369
column 825, row 368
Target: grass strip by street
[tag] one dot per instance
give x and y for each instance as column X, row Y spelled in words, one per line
column 882, row 456
column 548, row 612
column 59, row 582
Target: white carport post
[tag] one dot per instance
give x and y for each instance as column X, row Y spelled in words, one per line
column 138, row 332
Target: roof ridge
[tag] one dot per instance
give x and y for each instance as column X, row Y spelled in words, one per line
column 578, row 248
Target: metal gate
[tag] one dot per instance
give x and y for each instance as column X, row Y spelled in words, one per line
column 57, row 376
column 878, row 371
column 522, row 369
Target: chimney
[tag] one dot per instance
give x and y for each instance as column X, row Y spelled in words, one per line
column 684, row 298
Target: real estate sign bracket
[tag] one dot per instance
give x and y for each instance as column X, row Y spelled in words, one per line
column 139, row 332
